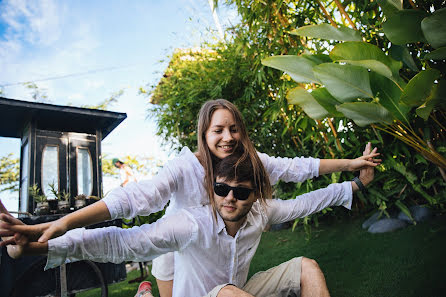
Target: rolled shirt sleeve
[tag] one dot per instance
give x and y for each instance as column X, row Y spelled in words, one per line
column 279, row 211
column 145, row 197
column 295, row 170
column 113, row 244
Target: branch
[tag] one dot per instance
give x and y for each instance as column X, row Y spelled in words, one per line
column 342, row 10
column 327, row 15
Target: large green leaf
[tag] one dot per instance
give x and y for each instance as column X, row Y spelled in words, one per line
column 299, row 68
column 405, row 210
column 437, row 97
column 404, row 26
column 390, row 7
column 401, row 53
column 373, row 65
column 364, row 113
column 324, row 98
column 389, row 95
column 344, row 82
column 420, row 87
column 358, row 51
column 300, row 96
column 326, row 31
column 434, row 28
column 318, row 58
column 438, row 54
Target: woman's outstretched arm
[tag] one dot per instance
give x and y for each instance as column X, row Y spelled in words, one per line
column 336, row 165
column 92, row 214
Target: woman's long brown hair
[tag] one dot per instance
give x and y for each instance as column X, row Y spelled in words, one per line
column 207, row 159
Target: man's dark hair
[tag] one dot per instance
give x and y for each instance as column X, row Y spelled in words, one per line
column 236, row 168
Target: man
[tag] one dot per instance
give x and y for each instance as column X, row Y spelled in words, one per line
column 125, row 172
column 216, row 243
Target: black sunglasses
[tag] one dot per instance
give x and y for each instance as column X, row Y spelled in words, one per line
column 240, row 193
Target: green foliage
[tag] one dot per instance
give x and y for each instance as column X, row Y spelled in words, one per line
column 106, row 103
column 143, row 165
column 325, row 31
column 369, row 72
column 38, row 94
column 35, row 193
column 358, row 65
column 63, row 196
column 9, row 173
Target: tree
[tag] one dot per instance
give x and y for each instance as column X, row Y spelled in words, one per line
column 9, row 173
column 233, row 70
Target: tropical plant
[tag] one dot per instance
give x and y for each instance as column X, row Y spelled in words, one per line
column 233, row 70
column 360, row 81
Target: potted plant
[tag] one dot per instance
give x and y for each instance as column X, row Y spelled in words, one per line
column 42, row 206
column 54, row 200
column 80, row 201
column 62, row 198
column 63, row 205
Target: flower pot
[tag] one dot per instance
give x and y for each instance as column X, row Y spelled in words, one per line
column 63, row 206
column 42, row 208
column 79, row 203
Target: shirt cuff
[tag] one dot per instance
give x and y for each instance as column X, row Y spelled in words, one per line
column 112, row 205
column 58, row 249
column 317, row 164
column 348, row 195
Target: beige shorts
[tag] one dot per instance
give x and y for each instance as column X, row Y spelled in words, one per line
column 282, row 280
column 163, row 267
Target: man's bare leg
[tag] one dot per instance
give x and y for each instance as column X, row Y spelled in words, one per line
column 312, row 280
column 231, row 291
column 165, row 288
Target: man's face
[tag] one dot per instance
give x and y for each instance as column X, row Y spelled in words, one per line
column 230, row 208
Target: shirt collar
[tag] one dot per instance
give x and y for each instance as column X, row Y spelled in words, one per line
column 220, row 223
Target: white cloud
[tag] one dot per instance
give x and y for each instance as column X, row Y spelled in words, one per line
column 37, row 22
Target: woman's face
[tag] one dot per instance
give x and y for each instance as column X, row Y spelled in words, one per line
column 223, row 134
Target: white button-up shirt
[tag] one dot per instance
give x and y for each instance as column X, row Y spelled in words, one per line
column 207, row 256
column 181, row 181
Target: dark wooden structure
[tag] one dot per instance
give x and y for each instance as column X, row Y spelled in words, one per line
column 61, row 147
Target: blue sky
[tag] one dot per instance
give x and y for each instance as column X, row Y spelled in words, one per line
column 49, row 38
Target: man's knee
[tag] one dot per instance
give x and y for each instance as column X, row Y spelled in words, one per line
column 232, row 291
column 310, row 268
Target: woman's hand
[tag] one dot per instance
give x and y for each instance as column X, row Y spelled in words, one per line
column 40, row 232
column 366, row 161
column 335, row 165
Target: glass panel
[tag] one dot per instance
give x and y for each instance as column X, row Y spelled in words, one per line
column 24, row 182
column 50, row 170
column 84, row 172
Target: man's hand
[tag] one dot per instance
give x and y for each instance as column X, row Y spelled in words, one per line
column 15, row 242
column 367, row 173
column 40, row 232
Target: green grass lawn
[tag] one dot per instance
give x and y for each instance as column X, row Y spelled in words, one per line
column 408, row 262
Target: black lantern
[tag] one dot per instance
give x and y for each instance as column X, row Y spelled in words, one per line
column 60, row 147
